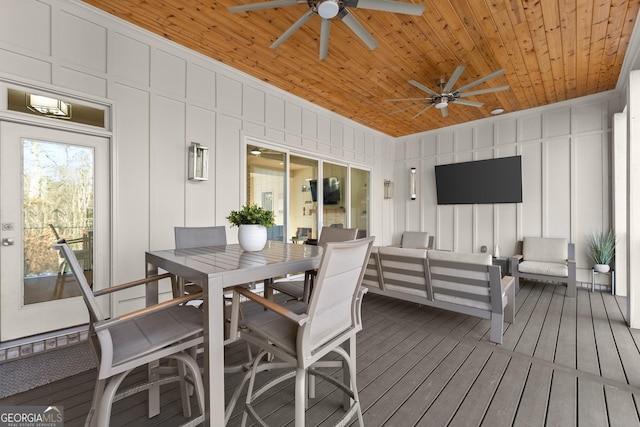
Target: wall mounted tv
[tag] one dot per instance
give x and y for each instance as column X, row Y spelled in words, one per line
column 331, row 191
column 483, row 181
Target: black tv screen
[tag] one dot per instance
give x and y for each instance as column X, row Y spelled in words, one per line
column 330, row 191
column 483, row 181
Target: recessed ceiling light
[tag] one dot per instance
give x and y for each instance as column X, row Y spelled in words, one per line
column 497, row 111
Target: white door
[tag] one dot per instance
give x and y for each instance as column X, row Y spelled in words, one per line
column 51, row 182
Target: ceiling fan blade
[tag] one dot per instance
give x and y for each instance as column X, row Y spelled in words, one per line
column 389, row 6
column 264, row 5
column 325, row 26
column 407, row 99
column 469, row 103
column 482, row 80
column 481, row 91
column 445, row 112
column 292, row 29
column 423, row 87
column 454, row 78
column 422, row 111
column 358, row 29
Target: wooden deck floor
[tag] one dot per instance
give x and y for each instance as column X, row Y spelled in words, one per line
column 564, row 362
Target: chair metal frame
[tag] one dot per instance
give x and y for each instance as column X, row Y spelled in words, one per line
column 299, row 339
column 170, row 329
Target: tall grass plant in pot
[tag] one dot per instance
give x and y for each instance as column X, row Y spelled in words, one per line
column 253, row 222
column 602, row 248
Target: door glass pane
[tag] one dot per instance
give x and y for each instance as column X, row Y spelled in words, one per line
column 303, row 215
column 58, row 195
column 266, row 185
column 334, row 194
column 360, row 201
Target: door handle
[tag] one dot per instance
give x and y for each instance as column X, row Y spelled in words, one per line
column 8, row 241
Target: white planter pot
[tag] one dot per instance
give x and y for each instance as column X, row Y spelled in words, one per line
column 601, row 268
column 252, row 237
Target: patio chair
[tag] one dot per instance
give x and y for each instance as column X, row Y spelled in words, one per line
column 122, row 343
column 298, row 341
column 416, row 240
column 546, row 259
column 83, row 249
column 301, row 289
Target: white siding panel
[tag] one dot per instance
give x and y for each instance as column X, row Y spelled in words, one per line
column 507, row 131
column 229, row 92
column 25, row 66
column 254, row 129
column 531, row 191
column 200, row 201
column 201, row 85
column 229, row 194
column 557, row 122
column 324, row 129
column 348, row 138
column 131, row 59
column 253, row 104
column 412, row 150
column 26, row 14
column 293, row 119
column 167, row 170
column 484, row 136
column 591, row 194
column 309, row 124
column 464, row 139
column 81, row 82
column 446, row 143
column 169, row 74
column 530, row 127
column 277, row 136
column 83, row 42
column 464, row 229
column 484, row 235
column 429, row 145
column 131, row 192
column 557, row 193
column 275, row 112
column 587, row 117
column 336, row 135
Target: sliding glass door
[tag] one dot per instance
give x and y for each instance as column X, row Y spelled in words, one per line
column 306, row 194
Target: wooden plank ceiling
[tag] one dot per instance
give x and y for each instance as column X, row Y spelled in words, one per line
column 552, row 50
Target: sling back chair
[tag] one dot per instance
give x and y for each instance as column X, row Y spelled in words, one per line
column 168, row 330
column 301, row 289
column 298, row 340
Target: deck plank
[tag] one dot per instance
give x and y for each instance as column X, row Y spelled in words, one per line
column 565, row 361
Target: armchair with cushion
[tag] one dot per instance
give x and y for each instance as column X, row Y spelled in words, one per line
column 546, row 259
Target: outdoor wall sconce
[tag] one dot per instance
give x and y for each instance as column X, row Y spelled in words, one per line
column 412, row 184
column 388, row 190
column 198, row 162
column 49, row 107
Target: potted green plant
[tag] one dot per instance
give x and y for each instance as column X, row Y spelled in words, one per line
column 252, row 221
column 602, row 246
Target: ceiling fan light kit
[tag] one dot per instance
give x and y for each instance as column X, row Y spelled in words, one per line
column 329, row 9
column 446, row 95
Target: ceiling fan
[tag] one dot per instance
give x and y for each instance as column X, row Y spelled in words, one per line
column 446, row 95
column 329, row 9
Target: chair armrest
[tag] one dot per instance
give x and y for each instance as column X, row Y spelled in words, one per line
column 571, row 261
column 131, row 284
column 507, row 281
column 517, row 257
column 300, row 319
column 106, row 324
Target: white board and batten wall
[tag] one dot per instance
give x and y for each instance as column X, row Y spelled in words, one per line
column 566, row 173
column 165, row 97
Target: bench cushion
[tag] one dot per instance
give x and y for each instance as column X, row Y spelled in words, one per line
column 545, row 249
column 545, row 268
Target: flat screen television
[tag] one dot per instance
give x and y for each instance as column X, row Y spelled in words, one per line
column 330, row 190
column 483, row 181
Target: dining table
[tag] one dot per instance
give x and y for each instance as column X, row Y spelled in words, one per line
column 215, row 268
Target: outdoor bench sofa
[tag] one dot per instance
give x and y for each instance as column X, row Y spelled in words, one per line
column 464, row 283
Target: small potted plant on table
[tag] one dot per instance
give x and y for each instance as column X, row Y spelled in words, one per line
column 252, row 221
column 602, row 246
